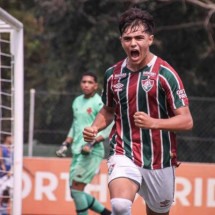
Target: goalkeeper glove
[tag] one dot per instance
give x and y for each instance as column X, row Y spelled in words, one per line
column 87, row 148
column 61, row 152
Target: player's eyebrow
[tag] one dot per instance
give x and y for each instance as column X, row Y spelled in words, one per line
column 89, row 81
column 136, row 37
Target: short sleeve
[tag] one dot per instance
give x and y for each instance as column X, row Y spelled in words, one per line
column 107, row 93
column 173, row 87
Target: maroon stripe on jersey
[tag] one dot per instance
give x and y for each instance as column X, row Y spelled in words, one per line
column 132, row 88
column 173, row 149
column 109, row 94
column 154, row 112
column 119, row 142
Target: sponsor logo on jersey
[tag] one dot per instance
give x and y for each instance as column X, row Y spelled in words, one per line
column 118, row 87
column 147, row 84
column 149, row 74
column 121, row 75
column 181, row 94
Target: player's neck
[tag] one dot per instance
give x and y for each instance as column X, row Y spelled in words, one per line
column 87, row 96
column 142, row 64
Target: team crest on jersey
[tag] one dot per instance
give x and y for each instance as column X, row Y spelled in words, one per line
column 147, row 84
column 89, row 110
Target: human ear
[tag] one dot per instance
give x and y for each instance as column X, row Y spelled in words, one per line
column 151, row 39
column 96, row 86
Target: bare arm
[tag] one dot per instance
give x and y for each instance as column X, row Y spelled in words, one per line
column 182, row 121
column 102, row 120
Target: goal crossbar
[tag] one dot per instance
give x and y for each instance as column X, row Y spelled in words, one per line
column 8, row 21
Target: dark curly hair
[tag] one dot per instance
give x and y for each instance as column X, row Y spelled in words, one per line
column 90, row 74
column 134, row 17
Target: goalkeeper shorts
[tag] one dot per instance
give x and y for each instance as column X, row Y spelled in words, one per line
column 84, row 167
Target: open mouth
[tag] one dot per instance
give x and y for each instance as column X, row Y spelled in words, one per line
column 135, row 54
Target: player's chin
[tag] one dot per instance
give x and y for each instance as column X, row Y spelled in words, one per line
column 87, row 91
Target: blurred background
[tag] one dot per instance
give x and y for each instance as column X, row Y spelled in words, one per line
column 64, row 38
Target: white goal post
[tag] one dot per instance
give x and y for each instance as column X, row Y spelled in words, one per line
column 10, row 25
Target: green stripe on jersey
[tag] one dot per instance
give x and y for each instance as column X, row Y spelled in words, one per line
column 166, row 149
column 142, row 106
column 107, row 75
column 170, row 76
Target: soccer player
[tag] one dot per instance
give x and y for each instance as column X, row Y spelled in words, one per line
column 148, row 102
column 86, row 157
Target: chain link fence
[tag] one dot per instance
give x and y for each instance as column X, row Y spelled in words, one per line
column 198, row 145
column 53, row 117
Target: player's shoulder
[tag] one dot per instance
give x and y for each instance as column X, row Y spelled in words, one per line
column 112, row 68
column 78, row 98
column 165, row 67
column 97, row 97
column 98, row 100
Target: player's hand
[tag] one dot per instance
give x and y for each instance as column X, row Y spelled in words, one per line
column 87, row 148
column 90, row 133
column 61, row 152
column 143, row 120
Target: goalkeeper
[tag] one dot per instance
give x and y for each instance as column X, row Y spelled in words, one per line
column 86, row 157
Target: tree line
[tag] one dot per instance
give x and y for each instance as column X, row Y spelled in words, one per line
column 65, row 38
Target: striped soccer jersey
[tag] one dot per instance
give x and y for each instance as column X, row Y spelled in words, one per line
column 156, row 90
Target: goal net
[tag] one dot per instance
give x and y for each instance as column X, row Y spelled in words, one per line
column 11, row 112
